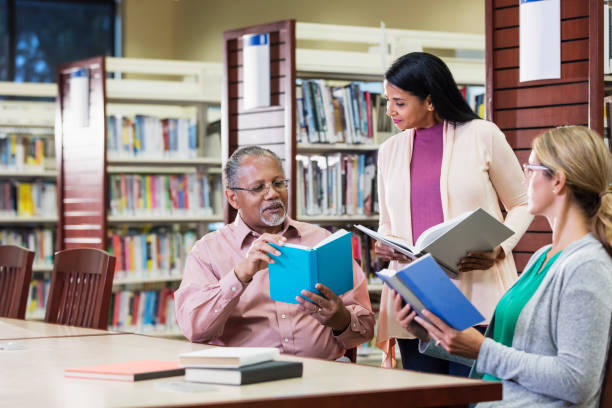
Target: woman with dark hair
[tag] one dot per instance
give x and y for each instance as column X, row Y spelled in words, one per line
column 445, row 162
column 548, row 339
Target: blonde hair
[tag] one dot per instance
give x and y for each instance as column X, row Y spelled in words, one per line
column 585, row 160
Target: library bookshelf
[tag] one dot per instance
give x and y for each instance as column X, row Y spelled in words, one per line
column 310, row 70
column 139, row 175
column 28, row 214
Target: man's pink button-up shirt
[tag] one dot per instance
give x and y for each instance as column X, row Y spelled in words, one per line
column 214, row 307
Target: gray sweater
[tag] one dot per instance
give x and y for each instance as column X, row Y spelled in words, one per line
column 560, row 343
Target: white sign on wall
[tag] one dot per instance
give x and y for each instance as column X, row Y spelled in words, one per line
column 540, row 40
column 256, row 70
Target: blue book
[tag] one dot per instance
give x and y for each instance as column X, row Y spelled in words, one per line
column 424, row 285
column 297, row 268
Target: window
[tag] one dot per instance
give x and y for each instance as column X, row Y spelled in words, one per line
column 48, row 33
column 4, row 41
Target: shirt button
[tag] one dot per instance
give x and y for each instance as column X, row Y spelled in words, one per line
column 216, row 310
column 286, row 340
column 283, row 316
column 233, row 288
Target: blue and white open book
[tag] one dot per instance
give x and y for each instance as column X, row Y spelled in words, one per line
column 424, row 285
column 298, row 267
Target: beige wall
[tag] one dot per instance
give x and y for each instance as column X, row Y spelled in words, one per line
column 192, row 29
column 149, row 28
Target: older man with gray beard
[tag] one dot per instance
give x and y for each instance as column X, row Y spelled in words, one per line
column 224, row 298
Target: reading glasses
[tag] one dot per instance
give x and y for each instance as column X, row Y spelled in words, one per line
column 262, row 189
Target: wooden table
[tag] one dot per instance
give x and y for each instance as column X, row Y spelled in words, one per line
column 15, row 329
column 34, row 377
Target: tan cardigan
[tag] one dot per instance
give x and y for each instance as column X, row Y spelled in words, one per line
column 479, row 169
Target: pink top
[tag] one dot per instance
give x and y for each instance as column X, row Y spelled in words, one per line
column 425, row 166
column 213, row 306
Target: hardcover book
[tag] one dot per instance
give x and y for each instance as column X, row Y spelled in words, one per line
column 297, row 268
column 128, row 370
column 424, row 285
column 450, row 241
column 228, row 357
column 254, row 373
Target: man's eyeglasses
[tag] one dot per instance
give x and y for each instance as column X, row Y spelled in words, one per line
column 263, row 189
column 530, row 168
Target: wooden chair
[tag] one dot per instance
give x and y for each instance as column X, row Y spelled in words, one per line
column 15, row 276
column 351, row 354
column 81, row 288
column 605, row 400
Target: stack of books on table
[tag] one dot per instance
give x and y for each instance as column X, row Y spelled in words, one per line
column 237, row 365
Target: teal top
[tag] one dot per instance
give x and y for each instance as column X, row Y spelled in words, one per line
column 512, row 303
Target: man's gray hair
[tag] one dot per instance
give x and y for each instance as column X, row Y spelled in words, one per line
column 230, row 171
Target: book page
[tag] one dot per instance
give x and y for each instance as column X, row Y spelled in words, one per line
column 431, row 234
column 333, row 236
column 393, row 242
column 296, row 246
column 479, row 231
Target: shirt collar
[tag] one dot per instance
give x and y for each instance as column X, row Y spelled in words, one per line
column 291, row 229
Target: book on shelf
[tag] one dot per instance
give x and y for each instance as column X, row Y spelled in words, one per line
column 250, row 374
column 336, row 184
column 151, row 137
column 145, row 253
column 424, row 285
column 365, row 254
column 474, row 96
column 27, row 199
column 142, row 194
column 335, row 114
column 297, row 268
column 41, row 240
column 228, row 357
column 38, row 295
column 20, row 152
column 127, row 370
column 144, row 311
column 450, row 241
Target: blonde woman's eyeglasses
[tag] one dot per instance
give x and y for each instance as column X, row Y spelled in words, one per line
column 530, row 168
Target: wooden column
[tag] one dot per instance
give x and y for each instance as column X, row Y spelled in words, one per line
column 525, row 109
column 81, row 161
column 271, row 127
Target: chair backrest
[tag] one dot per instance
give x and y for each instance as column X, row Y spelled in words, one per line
column 15, row 276
column 605, row 400
column 81, row 288
column 351, row 354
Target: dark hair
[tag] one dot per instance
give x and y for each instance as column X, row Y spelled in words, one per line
column 230, row 170
column 424, row 74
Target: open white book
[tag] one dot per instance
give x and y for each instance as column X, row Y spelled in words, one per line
column 450, row 241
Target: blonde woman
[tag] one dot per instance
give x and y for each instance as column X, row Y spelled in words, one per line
column 550, row 333
column 445, row 162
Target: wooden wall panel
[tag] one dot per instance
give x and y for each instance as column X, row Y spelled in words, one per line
column 81, row 161
column 272, row 127
column 570, row 72
column 574, row 93
column 545, row 116
column 571, row 51
column 524, row 110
